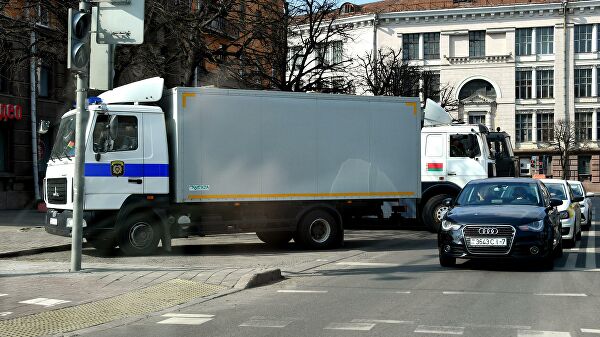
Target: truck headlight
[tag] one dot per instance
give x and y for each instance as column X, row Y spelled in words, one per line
column 564, row 214
column 450, row 226
column 536, row 226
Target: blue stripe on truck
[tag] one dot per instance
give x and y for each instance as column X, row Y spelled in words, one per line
column 130, row 170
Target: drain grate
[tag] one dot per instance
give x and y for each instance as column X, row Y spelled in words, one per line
column 144, row 301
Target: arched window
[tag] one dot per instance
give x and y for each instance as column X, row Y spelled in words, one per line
column 477, row 87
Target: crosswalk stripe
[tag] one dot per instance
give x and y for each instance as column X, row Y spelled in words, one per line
column 442, row 330
column 534, row 333
column 185, row 320
column 350, row 326
column 188, row 315
column 298, row 291
column 597, row 331
column 561, row 295
column 47, row 302
column 383, row 321
column 5, row 313
column 3, row 295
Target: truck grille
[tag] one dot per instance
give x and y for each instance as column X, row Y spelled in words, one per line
column 56, row 190
column 504, row 231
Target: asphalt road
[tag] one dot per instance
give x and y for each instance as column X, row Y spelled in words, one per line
column 397, row 288
column 384, row 282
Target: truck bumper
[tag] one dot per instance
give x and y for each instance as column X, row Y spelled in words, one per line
column 95, row 222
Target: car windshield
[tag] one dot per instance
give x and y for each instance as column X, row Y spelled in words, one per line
column 577, row 190
column 493, row 193
column 557, row 190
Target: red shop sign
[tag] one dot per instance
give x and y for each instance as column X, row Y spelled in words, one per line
column 10, row 111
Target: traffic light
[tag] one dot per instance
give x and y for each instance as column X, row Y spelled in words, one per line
column 78, row 57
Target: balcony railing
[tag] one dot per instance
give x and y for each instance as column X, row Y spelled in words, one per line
column 479, row 59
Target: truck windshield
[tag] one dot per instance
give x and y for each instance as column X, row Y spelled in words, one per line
column 64, row 146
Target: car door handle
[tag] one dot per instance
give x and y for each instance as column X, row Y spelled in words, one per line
column 135, row 181
column 451, row 173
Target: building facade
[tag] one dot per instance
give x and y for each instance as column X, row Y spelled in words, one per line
column 517, row 65
column 19, row 98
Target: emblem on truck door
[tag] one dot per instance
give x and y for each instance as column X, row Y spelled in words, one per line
column 117, row 168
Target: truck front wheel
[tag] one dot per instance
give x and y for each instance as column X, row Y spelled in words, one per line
column 434, row 211
column 275, row 238
column 319, row 230
column 139, row 235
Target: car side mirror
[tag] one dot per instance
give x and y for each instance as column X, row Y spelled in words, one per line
column 578, row 199
column 590, row 194
column 448, row 202
column 555, row 202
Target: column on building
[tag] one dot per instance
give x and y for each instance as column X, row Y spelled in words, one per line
column 595, row 124
column 533, row 41
column 534, row 126
column 421, row 47
column 594, row 80
column 594, row 38
column 534, row 82
column 488, row 119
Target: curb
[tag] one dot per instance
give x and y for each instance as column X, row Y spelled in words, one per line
column 33, row 251
column 258, row 278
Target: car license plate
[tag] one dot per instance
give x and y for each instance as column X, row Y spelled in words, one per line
column 54, row 221
column 493, row 242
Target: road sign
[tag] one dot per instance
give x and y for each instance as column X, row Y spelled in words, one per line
column 101, row 59
column 121, row 22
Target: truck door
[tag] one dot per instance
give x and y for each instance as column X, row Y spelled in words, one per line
column 465, row 159
column 114, row 164
column 433, row 163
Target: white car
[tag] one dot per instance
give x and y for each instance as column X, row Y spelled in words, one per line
column 570, row 214
column 585, row 205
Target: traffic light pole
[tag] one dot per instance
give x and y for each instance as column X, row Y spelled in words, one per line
column 78, row 180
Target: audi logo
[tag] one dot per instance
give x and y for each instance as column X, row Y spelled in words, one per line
column 488, row 231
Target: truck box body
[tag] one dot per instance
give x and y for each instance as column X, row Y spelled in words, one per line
column 240, row 145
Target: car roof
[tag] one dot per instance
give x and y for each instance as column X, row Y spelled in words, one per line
column 576, row 182
column 554, row 181
column 503, row 180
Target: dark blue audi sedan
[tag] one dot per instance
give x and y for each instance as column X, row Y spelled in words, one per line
column 501, row 218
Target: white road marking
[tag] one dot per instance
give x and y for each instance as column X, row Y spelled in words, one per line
column 591, row 331
column 350, row 326
column 594, row 269
column 528, row 333
column 188, row 315
column 563, row 295
column 588, row 250
column 322, row 260
column 467, row 293
column 443, row 330
column 302, row 291
column 516, row 327
column 3, row 295
column 5, row 313
column 266, row 323
column 47, row 302
column 402, row 292
column 383, row 321
column 186, row 320
column 367, row 264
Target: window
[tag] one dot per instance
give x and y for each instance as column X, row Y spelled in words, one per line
column 583, row 82
column 583, row 38
column 44, row 81
column 477, row 119
column 431, row 46
column 464, row 146
column 43, row 18
column 431, row 85
column 523, row 127
column 295, row 57
column 477, row 43
column 321, row 54
column 336, row 52
column 545, row 83
column 126, row 138
column 583, row 125
column 545, row 127
column 434, row 146
column 523, row 84
column 523, row 39
column 584, row 166
column 545, row 40
column 410, row 46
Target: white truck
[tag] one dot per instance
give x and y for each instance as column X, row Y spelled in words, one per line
column 283, row 165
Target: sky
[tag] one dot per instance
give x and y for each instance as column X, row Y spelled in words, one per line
column 360, row 2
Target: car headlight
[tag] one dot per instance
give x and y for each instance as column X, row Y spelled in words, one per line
column 564, row 214
column 450, row 226
column 536, row 226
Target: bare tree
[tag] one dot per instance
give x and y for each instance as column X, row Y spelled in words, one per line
column 566, row 141
column 295, row 47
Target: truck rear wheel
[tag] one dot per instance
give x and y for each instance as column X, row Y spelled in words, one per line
column 319, row 230
column 275, row 238
column 433, row 212
column 139, row 235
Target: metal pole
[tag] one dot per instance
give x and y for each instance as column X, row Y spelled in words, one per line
column 78, row 180
column 33, row 96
